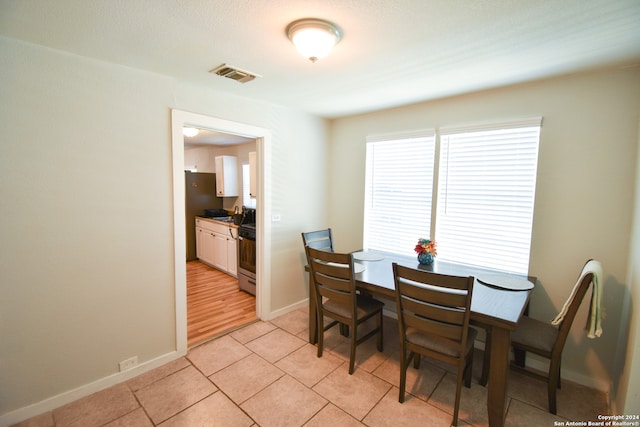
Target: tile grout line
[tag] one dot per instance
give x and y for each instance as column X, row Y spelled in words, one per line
column 370, row 371
column 135, row 396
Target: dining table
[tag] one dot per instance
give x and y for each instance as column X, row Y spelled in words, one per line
column 499, row 300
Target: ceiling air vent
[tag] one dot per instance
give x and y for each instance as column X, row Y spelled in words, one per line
column 234, row 73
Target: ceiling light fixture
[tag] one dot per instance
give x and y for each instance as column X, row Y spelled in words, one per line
column 314, row 38
column 190, row 132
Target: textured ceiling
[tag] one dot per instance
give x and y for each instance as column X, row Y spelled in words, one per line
column 394, row 52
column 208, row 137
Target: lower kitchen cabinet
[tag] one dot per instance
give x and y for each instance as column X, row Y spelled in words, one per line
column 232, row 254
column 216, row 245
column 204, row 245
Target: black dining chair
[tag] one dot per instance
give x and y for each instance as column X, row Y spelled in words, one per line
column 547, row 340
column 334, row 287
column 433, row 320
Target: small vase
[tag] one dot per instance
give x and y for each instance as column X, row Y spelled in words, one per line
column 425, row 258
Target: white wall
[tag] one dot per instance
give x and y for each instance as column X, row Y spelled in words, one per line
column 86, row 250
column 584, row 197
column 626, row 397
column 200, row 157
column 86, row 237
column 203, row 157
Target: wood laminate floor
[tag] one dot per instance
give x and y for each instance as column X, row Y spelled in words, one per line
column 215, row 305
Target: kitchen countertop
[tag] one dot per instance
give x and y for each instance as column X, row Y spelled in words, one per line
column 219, row 221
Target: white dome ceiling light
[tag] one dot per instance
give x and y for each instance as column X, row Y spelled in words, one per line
column 314, row 38
column 189, row 131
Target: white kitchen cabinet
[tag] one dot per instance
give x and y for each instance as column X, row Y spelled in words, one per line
column 253, row 174
column 205, row 245
column 226, row 176
column 219, row 259
column 216, row 245
column 199, row 243
column 232, row 254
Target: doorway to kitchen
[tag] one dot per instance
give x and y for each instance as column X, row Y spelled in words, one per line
column 218, row 184
column 262, row 137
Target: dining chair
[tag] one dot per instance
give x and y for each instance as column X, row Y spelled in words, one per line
column 323, row 240
column 433, row 320
column 546, row 339
column 320, row 239
column 335, row 295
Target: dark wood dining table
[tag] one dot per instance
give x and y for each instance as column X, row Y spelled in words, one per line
column 494, row 308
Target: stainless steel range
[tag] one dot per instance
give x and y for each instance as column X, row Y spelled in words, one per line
column 247, row 252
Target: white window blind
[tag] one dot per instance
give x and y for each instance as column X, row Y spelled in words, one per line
column 486, row 191
column 247, row 200
column 398, row 191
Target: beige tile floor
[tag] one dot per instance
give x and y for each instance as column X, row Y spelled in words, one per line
column 267, row 374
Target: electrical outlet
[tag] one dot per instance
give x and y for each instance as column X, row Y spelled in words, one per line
column 275, row 218
column 128, row 363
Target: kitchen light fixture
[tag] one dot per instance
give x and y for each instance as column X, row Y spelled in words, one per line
column 190, row 132
column 314, row 38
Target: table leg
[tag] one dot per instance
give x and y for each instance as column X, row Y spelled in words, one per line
column 496, row 400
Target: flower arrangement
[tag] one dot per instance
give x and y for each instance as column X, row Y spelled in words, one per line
column 426, row 246
column 426, row 250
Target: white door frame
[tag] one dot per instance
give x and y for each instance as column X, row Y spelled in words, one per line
column 263, row 205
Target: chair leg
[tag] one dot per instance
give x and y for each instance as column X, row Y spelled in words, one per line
column 519, row 356
column 344, row 330
column 552, row 399
column 380, row 340
column 554, row 376
column 559, row 376
column 404, row 362
column 468, row 369
column 352, row 353
column 456, row 406
column 320, row 332
column 416, row 360
column 486, row 361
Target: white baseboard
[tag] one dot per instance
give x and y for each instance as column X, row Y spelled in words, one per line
column 389, row 313
column 66, row 397
column 298, row 305
column 538, row 364
column 305, row 304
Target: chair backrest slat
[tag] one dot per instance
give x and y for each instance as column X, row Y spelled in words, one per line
column 341, row 298
column 443, row 280
column 320, row 239
column 333, row 277
column 454, row 316
column 449, row 331
column 437, row 305
column 332, row 268
column 334, row 284
column 435, row 295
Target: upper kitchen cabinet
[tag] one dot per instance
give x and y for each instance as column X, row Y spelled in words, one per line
column 226, row 176
column 253, row 174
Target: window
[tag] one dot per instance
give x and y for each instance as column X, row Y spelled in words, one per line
column 247, row 200
column 483, row 212
column 486, row 193
column 398, row 191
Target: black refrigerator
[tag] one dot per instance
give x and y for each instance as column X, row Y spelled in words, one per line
column 200, row 194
